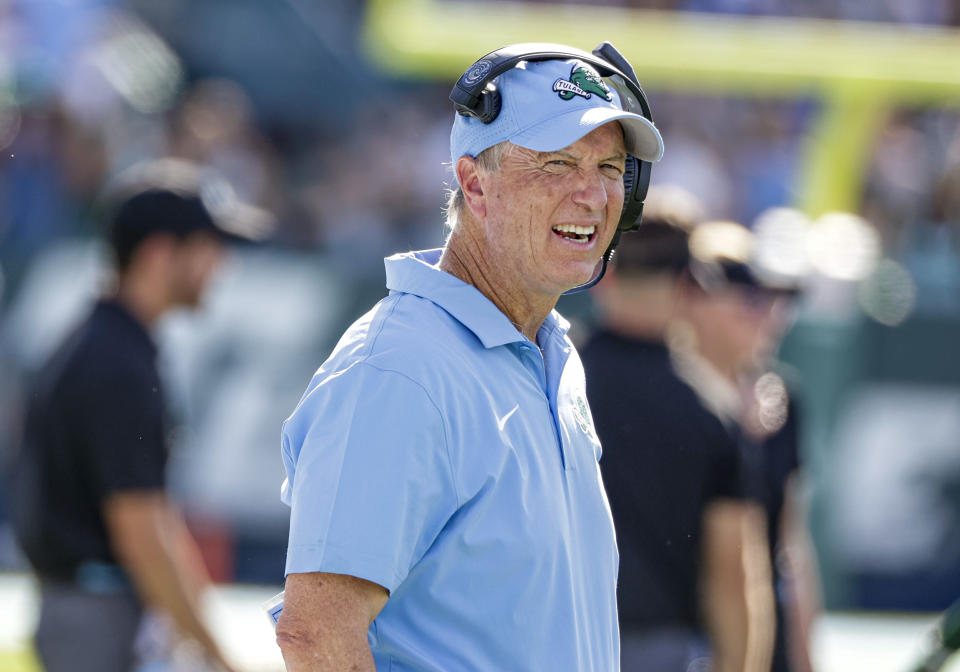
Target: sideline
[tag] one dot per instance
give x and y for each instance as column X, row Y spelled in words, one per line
column 234, row 613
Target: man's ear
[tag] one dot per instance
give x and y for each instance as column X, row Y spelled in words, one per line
column 471, row 185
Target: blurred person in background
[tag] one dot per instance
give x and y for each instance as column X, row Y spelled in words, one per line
column 737, row 312
column 692, row 567
column 214, row 126
column 87, row 487
column 750, row 330
column 446, row 506
column 49, row 177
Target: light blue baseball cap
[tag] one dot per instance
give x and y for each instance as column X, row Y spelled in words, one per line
column 549, row 105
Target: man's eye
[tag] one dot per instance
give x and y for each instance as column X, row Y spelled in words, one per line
column 612, row 167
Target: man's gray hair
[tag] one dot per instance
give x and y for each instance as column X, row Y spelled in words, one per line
column 490, row 160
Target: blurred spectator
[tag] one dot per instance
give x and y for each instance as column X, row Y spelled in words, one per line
column 731, row 314
column 900, row 177
column 49, row 177
column 366, row 224
column 697, row 164
column 214, row 126
column 692, row 566
column 749, row 312
column 87, row 487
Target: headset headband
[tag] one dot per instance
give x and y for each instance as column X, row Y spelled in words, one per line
column 466, row 93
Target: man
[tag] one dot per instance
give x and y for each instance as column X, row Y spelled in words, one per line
column 686, row 532
column 770, row 417
column 89, row 503
column 735, row 311
column 447, row 511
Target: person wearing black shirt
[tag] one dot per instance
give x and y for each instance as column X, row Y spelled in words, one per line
column 771, row 447
column 672, row 471
column 88, row 498
column 738, row 309
column 772, row 426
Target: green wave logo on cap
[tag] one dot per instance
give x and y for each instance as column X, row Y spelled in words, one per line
column 584, row 81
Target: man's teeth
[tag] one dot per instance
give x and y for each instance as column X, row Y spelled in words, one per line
column 570, row 228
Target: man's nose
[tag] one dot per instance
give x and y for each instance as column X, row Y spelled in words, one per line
column 591, row 190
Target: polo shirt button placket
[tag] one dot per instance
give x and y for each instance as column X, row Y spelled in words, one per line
column 532, row 359
column 533, row 362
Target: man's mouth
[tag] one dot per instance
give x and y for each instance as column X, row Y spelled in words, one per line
column 578, row 234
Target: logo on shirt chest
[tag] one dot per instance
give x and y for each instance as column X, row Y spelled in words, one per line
column 502, row 420
column 582, row 415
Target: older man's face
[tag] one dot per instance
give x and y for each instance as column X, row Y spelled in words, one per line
column 551, row 215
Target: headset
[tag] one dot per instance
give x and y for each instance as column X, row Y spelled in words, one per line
column 476, row 95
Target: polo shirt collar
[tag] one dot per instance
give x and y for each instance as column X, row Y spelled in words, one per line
column 417, row 273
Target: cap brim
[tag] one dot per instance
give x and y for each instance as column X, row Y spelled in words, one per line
column 242, row 222
column 641, row 137
column 715, row 274
column 777, row 283
column 232, row 218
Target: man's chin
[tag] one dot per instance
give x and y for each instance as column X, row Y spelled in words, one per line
column 580, row 275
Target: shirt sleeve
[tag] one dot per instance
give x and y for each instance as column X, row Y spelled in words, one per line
column 726, row 477
column 369, row 481
column 122, row 426
column 792, row 430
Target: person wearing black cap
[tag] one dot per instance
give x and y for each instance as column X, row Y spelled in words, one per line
column 88, row 490
column 737, row 309
column 671, row 467
column 740, row 310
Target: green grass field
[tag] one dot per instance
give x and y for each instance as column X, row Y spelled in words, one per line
column 18, row 661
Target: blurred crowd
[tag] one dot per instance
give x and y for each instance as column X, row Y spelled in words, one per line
column 280, row 100
column 944, row 12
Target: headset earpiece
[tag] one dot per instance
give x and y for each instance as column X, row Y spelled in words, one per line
column 629, row 217
column 636, row 181
column 486, row 108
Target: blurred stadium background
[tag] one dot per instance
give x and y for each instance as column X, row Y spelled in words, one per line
column 334, row 116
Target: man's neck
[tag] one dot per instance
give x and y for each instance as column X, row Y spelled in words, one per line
column 717, row 359
column 527, row 312
column 140, row 297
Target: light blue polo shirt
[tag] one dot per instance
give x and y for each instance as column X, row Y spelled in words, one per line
column 439, row 454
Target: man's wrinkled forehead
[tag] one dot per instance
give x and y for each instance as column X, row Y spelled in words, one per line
column 573, row 152
column 610, row 134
